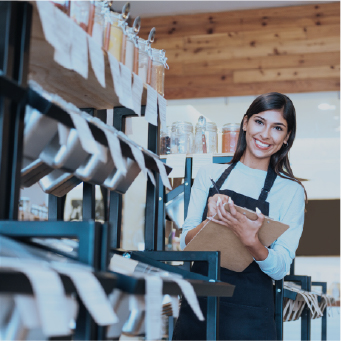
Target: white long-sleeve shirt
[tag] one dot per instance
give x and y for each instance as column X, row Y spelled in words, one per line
column 286, row 201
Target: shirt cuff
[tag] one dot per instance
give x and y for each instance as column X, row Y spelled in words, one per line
column 269, row 262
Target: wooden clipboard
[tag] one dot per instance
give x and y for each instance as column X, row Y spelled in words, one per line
column 233, row 254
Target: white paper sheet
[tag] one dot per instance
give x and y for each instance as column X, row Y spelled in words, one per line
column 63, row 133
column 137, row 93
column 177, row 162
column 200, row 160
column 129, row 126
column 62, row 43
column 151, row 176
column 153, row 299
column 49, row 292
column 126, row 98
column 139, row 158
column 115, row 150
column 162, row 111
column 97, row 60
column 46, row 13
column 122, row 265
column 79, row 50
column 89, row 144
column 110, row 117
column 175, row 306
column 151, row 106
column 116, row 74
column 163, row 173
column 91, row 293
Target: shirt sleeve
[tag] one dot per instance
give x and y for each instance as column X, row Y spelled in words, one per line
column 197, row 203
column 283, row 250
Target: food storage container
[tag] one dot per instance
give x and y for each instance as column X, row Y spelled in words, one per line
column 114, row 34
column 210, row 132
column 128, row 48
column 82, row 13
column 97, row 23
column 157, row 72
column 230, row 137
column 64, row 6
column 143, row 60
column 182, row 138
column 165, row 141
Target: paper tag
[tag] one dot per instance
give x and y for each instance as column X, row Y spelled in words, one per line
column 97, row 60
column 175, row 305
column 46, row 13
column 110, row 117
column 137, row 94
column 116, row 74
column 79, row 50
column 115, row 150
column 63, row 134
column 190, row 296
column 162, row 111
column 129, row 126
column 49, row 292
column 126, row 98
column 62, row 42
column 122, row 265
column 139, row 158
column 91, row 293
column 177, row 162
column 89, row 144
column 151, row 106
column 151, row 176
column 200, row 160
column 153, row 299
column 163, row 173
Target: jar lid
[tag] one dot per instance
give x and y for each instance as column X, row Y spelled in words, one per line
column 182, row 126
column 231, row 127
column 210, row 126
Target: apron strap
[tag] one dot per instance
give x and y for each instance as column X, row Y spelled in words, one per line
column 269, row 181
column 225, row 174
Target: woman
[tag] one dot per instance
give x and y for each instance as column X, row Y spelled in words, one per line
column 260, row 178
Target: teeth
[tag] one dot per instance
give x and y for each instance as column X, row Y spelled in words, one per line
column 262, row 144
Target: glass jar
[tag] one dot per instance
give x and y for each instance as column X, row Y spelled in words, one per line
column 157, row 72
column 211, row 137
column 182, row 138
column 80, row 13
column 114, row 34
column 97, row 24
column 230, row 137
column 128, row 48
column 143, row 59
column 165, row 141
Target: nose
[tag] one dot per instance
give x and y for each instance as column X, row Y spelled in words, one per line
column 265, row 133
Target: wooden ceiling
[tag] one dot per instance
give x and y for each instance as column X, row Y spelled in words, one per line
column 248, row 52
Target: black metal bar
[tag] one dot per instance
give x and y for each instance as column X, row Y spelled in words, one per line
column 222, row 159
column 88, row 212
column 56, row 207
column 175, row 192
column 160, row 242
column 279, row 294
column 324, row 317
column 187, row 183
column 292, row 268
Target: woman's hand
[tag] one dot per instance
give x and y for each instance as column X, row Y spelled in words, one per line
column 245, row 229
column 212, row 206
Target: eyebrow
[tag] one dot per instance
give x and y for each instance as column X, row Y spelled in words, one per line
column 277, row 124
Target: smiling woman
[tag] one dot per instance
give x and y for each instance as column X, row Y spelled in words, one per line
column 259, row 178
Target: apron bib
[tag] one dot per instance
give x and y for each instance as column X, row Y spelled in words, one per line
column 249, row 313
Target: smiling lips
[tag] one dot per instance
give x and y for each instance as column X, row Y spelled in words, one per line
column 261, row 145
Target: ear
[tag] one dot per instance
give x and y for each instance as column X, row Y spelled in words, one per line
column 245, row 121
column 287, row 138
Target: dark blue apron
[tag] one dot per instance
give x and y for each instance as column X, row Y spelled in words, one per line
column 249, row 314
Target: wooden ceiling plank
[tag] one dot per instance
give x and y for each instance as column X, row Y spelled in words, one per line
column 275, row 75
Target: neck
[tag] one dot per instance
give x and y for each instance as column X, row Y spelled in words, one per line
column 253, row 163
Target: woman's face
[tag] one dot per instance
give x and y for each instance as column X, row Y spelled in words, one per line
column 265, row 134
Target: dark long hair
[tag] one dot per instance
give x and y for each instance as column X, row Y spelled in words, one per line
column 280, row 160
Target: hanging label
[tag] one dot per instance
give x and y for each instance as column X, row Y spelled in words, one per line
column 89, row 144
column 162, row 111
column 175, row 306
column 116, row 74
column 62, row 45
column 63, row 134
column 129, row 126
column 126, row 98
column 151, row 176
column 46, row 13
column 49, row 292
column 137, row 94
column 200, row 160
column 97, row 60
column 177, row 162
column 151, row 106
column 79, row 50
column 115, row 150
column 91, row 293
column 122, row 265
column 153, row 299
column 139, row 158
column 163, row 173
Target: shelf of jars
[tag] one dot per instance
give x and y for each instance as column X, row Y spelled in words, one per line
column 68, row 61
column 164, row 156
